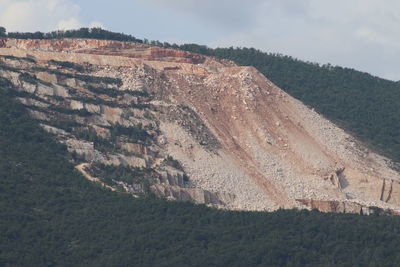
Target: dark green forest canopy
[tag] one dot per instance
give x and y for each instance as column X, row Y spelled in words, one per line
column 51, row 216
column 92, row 33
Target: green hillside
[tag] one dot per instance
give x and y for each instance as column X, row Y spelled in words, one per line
column 51, row 216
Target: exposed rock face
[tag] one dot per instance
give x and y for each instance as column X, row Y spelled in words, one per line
column 195, row 128
column 344, row 207
column 132, row 50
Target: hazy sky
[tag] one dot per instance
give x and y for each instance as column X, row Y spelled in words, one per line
column 361, row 34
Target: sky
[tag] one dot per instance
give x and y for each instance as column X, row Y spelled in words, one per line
column 359, row 34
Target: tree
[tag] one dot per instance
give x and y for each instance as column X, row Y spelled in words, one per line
column 3, row 32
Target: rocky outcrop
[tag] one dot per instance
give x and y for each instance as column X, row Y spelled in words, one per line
column 344, row 207
column 193, row 124
column 195, row 128
column 390, row 192
column 196, row 195
column 105, row 47
column 337, row 178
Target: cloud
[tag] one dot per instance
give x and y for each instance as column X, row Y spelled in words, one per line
column 68, row 24
column 39, row 15
column 96, row 24
column 225, row 14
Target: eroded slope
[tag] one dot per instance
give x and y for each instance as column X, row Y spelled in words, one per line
column 190, row 127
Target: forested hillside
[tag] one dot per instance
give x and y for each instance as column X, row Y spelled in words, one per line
column 51, row 216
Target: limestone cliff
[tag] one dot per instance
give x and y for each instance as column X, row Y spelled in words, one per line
column 184, row 126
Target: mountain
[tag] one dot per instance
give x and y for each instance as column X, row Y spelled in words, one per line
column 50, row 215
column 365, row 105
column 150, row 120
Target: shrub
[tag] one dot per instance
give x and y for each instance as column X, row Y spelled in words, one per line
column 26, row 77
column 69, row 65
